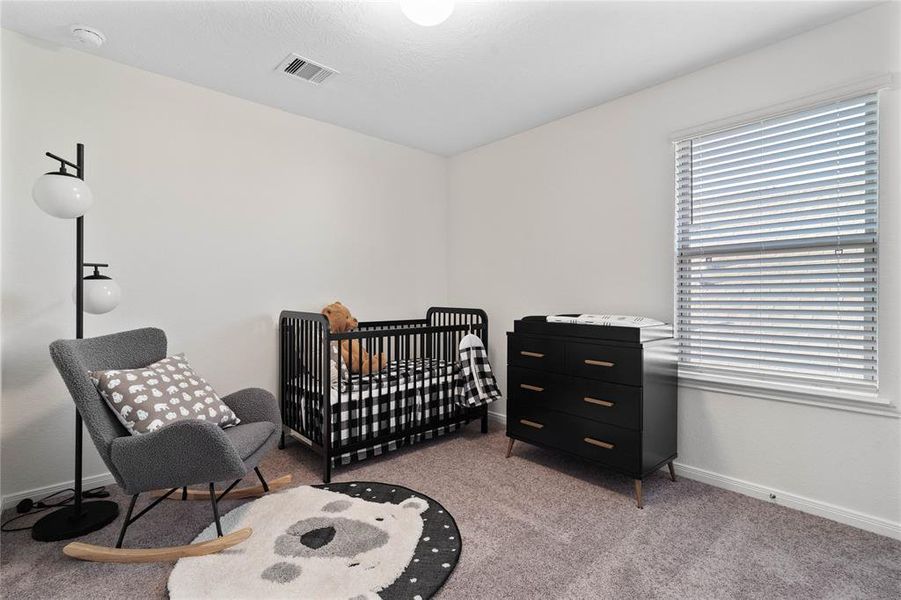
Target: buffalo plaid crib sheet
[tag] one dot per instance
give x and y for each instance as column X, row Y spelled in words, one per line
column 407, row 394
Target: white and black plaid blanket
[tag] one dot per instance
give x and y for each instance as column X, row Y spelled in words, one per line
column 474, row 383
column 406, row 394
column 409, row 394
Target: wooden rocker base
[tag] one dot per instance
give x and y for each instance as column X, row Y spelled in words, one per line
column 247, row 492
column 94, row 553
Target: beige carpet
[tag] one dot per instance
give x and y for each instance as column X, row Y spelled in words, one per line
column 539, row 525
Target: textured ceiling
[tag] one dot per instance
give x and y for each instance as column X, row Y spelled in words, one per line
column 493, row 69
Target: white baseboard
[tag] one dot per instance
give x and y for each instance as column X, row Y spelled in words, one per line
column 36, row 494
column 497, row 417
column 808, row 505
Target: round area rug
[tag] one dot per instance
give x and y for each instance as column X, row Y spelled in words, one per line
column 347, row 541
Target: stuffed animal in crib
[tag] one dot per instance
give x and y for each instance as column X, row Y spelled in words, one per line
column 357, row 359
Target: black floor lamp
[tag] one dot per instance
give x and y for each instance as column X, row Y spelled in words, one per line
column 65, row 195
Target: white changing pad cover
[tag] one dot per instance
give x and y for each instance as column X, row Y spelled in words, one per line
column 607, row 320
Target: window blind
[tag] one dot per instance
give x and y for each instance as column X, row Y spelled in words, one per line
column 776, row 249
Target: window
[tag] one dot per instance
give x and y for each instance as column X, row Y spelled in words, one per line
column 776, row 251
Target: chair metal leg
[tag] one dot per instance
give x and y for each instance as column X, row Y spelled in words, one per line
column 127, row 521
column 262, row 481
column 227, row 490
column 215, row 509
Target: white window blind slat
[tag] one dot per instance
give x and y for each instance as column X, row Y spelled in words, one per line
column 756, row 127
column 847, row 136
column 851, row 165
column 848, row 127
column 798, row 185
column 787, row 152
column 805, row 156
column 777, row 248
column 784, row 204
column 761, row 210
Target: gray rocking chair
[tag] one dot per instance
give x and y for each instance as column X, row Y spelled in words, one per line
column 157, row 460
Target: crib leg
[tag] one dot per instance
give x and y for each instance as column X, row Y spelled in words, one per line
column 485, row 419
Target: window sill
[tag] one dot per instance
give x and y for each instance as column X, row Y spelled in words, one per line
column 796, row 394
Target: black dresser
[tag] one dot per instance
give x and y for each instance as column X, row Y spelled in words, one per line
column 603, row 393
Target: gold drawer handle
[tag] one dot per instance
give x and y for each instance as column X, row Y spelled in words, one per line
column 598, row 363
column 597, row 401
column 532, row 354
column 598, row 443
column 531, row 388
column 531, row 423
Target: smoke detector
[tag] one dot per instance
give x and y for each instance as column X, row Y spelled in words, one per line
column 87, row 37
column 303, row 68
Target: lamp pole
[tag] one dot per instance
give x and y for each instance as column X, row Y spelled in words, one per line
column 79, row 324
column 81, row 517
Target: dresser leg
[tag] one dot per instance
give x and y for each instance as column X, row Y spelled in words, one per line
column 510, row 447
column 672, row 471
column 638, row 502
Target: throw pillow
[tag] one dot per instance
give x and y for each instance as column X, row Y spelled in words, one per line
column 165, row 392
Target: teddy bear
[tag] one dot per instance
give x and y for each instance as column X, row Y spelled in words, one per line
column 357, row 359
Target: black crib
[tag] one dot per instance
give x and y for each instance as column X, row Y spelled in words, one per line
column 345, row 418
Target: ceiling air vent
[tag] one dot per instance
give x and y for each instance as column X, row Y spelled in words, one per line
column 303, row 68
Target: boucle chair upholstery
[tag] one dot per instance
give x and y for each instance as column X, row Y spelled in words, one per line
column 176, row 456
column 184, row 453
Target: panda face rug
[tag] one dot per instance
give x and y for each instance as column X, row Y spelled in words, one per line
column 347, row 541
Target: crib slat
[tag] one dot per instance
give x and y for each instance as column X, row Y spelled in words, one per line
column 297, row 356
column 282, row 357
column 360, row 426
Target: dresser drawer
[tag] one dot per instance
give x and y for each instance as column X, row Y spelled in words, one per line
column 536, row 424
column 605, row 402
column 587, row 398
column 607, row 363
column 538, row 387
column 535, row 353
column 613, row 446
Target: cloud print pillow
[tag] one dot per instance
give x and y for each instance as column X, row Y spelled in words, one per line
column 165, row 392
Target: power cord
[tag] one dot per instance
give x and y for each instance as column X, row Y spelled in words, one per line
column 29, row 507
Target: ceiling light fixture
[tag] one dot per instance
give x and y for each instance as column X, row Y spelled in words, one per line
column 427, row 12
column 87, row 37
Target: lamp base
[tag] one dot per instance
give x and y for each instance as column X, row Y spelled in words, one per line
column 64, row 523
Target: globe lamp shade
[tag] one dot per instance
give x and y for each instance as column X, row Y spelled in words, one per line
column 427, row 12
column 62, row 195
column 101, row 294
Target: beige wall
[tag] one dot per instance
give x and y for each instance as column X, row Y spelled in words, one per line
column 215, row 214
column 577, row 216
